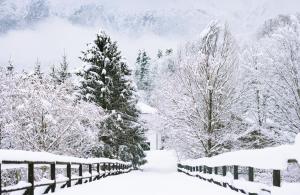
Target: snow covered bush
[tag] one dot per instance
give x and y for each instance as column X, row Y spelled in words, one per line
column 39, row 115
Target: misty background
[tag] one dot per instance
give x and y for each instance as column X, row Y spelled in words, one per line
column 46, row 29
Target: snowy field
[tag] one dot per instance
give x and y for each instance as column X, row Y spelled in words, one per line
column 159, row 177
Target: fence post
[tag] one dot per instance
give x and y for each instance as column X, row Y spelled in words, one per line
column 210, row 170
column 90, row 171
column 200, row 168
column 204, row 169
column 31, row 178
column 216, row 170
column 98, row 170
column 53, row 176
column 276, row 178
column 109, row 168
column 69, row 171
column 236, row 172
column 251, row 173
column 224, row 170
column 80, row 173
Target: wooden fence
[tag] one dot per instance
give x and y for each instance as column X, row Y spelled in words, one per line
column 101, row 170
column 204, row 169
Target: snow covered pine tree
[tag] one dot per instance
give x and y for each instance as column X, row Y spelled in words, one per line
column 106, row 80
column 142, row 72
column 61, row 74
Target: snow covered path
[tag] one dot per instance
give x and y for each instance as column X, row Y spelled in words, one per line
column 158, row 178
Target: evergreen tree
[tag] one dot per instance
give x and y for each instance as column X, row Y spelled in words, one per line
column 10, row 67
column 63, row 73
column 159, row 54
column 169, row 51
column 37, row 70
column 53, row 74
column 106, row 81
column 142, row 73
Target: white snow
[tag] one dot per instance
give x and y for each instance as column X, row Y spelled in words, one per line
column 146, row 109
column 20, row 155
column 258, row 158
column 119, row 118
column 253, row 187
column 287, row 189
column 159, row 177
column 21, row 184
column 267, row 158
column 159, row 161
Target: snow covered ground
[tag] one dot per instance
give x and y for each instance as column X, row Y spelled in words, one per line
column 159, row 177
column 257, row 158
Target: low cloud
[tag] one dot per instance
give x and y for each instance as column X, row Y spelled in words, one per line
column 50, row 39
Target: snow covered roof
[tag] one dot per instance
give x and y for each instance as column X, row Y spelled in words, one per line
column 146, row 109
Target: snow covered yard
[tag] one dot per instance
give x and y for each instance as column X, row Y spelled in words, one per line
column 159, row 177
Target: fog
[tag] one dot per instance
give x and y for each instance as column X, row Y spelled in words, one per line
column 49, row 39
column 47, row 42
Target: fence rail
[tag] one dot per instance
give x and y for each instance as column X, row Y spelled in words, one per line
column 101, row 170
column 205, row 172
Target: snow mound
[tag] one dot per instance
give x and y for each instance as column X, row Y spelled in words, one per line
column 21, row 155
column 258, row 158
column 287, row 189
column 146, row 109
column 161, row 161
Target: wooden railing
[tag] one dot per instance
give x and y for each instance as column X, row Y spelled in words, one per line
column 204, row 172
column 96, row 170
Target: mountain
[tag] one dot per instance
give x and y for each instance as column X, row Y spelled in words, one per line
column 168, row 17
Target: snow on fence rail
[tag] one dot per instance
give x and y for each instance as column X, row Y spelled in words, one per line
column 17, row 159
column 276, row 159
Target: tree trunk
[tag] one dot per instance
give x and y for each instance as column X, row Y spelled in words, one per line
column 209, row 128
column 258, row 109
